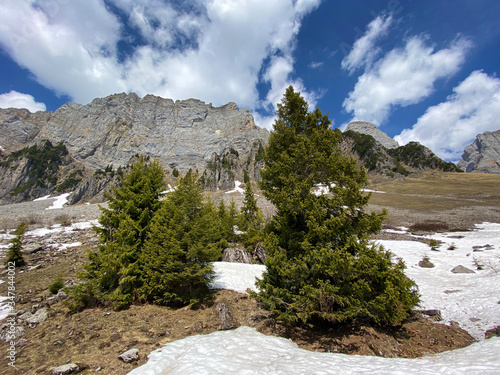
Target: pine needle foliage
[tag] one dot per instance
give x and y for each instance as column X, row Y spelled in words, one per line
column 186, row 236
column 114, row 269
column 14, row 254
column 320, row 264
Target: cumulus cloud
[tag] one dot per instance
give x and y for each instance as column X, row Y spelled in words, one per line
column 447, row 128
column 364, row 50
column 403, row 77
column 216, row 51
column 14, row 99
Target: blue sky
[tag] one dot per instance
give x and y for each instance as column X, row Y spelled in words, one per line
column 419, row 69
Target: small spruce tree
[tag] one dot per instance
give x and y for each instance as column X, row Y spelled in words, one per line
column 15, row 255
column 186, row 236
column 115, row 269
column 320, row 263
column 250, row 220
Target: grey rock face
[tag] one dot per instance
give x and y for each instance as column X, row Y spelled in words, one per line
column 182, row 134
column 483, row 155
column 370, row 129
column 236, row 255
column 188, row 134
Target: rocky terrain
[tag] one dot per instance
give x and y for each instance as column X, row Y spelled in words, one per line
column 381, row 155
column 91, row 142
column 483, row 155
column 370, row 129
column 49, row 336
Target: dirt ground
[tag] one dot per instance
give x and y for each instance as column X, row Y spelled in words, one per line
column 95, row 337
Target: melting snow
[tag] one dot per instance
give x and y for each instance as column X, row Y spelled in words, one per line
column 245, row 351
column 237, row 188
column 460, row 297
column 59, row 201
column 236, row 276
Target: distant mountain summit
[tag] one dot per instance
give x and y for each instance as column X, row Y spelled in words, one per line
column 371, row 129
column 382, row 155
column 483, row 155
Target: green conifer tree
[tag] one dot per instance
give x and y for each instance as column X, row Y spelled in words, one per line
column 14, row 254
column 125, row 224
column 186, row 236
column 250, row 220
column 320, row 264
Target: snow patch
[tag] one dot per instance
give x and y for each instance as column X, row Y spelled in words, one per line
column 236, row 276
column 59, row 202
column 237, row 188
column 245, row 351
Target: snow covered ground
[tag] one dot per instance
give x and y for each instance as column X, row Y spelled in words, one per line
column 469, row 299
column 473, row 299
column 244, row 351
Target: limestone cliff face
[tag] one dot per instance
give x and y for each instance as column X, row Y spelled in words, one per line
column 483, row 155
column 188, row 134
column 370, row 129
column 182, row 134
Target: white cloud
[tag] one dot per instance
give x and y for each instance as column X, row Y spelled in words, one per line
column 403, row 77
column 14, row 99
column 214, row 53
column 69, row 47
column 364, row 51
column 447, row 128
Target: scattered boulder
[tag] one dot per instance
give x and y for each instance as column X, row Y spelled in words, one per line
column 462, row 269
column 61, row 295
column 225, row 315
column 130, row 355
column 426, row 263
column 433, row 314
column 494, row 332
column 236, row 255
column 38, row 317
column 70, row 368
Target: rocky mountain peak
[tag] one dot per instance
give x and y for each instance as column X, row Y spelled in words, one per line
column 483, row 155
column 108, row 132
column 370, row 129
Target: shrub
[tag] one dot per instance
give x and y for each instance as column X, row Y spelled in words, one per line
column 57, row 285
column 14, row 254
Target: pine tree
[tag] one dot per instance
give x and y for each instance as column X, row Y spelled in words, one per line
column 320, row 264
column 15, row 255
column 125, row 225
column 186, row 236
column 250, row 220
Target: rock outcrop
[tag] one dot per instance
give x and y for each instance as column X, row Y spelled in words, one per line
column 378, row 159
column 483, row 155
column 108, row 132
column 370, row 129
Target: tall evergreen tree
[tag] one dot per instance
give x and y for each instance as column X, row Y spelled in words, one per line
column 186, row 236
column 15, row 254
column 320, row 264
column 125, row 225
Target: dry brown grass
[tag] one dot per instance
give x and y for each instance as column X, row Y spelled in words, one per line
column 459, row 200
